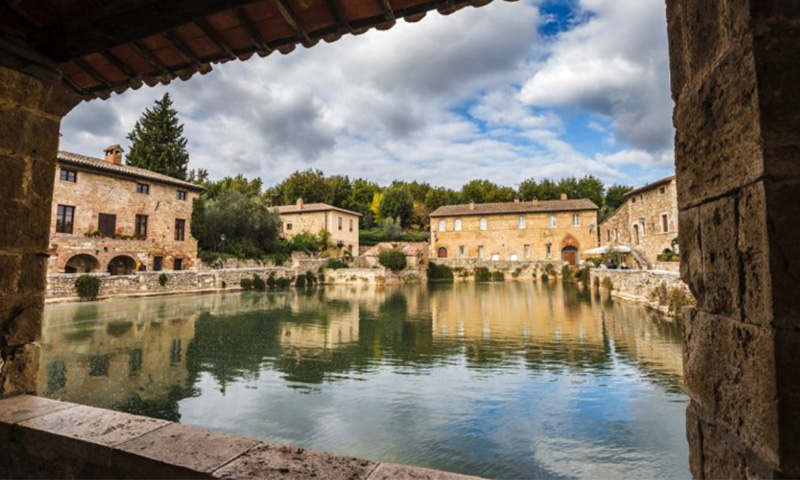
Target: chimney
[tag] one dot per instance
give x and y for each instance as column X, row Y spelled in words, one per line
column 299, row 203
column 114, row 154
column 563, row 196
column 516, row 199
column 471, row 206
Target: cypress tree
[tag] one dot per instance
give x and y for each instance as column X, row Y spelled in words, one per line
column 157, row 141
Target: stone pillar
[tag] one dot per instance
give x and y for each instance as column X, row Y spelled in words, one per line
column 736, row 83
column 30, row 115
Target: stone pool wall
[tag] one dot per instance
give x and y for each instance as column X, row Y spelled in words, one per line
column 658, row 289
column 464, row 268
column 376, row 276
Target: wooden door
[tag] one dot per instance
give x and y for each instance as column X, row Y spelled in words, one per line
column 570, row 257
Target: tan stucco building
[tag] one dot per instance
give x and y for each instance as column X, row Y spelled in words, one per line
column 647, row 221
column 532, row 230
column 110, row 217
column 317, row 217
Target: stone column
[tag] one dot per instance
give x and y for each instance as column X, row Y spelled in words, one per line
column 736, row 83
column 30, row 115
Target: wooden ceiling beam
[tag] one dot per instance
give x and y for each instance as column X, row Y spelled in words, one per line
column 211, row 33
column 116, row 22
column 251, row 30
column 103, row 81
column 149, row 58
column 181, row 47
column 290, row 18
column 115, row 61
column 338, row 16
column 386, row 8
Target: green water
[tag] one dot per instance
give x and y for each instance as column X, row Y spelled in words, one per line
column 514, row 380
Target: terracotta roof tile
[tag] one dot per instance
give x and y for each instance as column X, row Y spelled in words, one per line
column 515, row 207
column 312, row 207
column 649, row 186
column 124, row 170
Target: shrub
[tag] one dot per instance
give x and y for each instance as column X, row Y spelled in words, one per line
column 677, row 298
column 310, row 278
column 550, row 270
column 271, row 280
column 439, row 273
column 88, row 286
column 258, row 284
column 301, row 281
column 163, row 279
column 498, row 276
column 336, row 263
column 246, row 284
column 224, row 284
column 283, row 282
column 660, row 294
column 584, row 275
column 607, row 284
column 516, row 272
column 393, row 259
column 482, row 274
column 545, row 277
column 568, row 273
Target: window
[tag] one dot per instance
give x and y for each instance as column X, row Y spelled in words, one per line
column 521, row 223
column 643, row 223
column 549, row 251
column 177, row 264
column 662, row 190
column 175, row 350
column 143, row 188
column 181, row 195
column 135, row 361
column 158, row 264
column 633, row 199
column 608, row 235
column 616, row 234
column 664, row 223
column 576, row 220
column 69, row 175
column 340, row 223
column 288, row 226
column 481, row 253
column 180, row 229
column 462, row 251
column 527, row 252
column 351, row 224
column 513, row 257
column 56, row 376
column 483, row 224
column 107, row 223
column 442, row 225
column 98, row 366
column 65, row 217
column 458, row 225
column 552, row 221
column 140, row 227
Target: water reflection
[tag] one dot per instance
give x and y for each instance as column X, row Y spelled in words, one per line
column 505, row 380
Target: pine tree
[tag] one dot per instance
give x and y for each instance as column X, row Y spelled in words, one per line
column 157, row 141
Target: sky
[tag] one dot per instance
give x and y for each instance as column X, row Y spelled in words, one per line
column 505, row 92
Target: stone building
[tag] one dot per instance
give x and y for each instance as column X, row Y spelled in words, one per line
column 320, row 217
column 416, row 253
column 533, row 230
column 647, row 221
column 110, row 217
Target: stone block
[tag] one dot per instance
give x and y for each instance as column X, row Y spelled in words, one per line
column 30, row 92
column 754, row 255
column 12, row 178
column 288, row 462
column 194, row 450
column 729, row 371
column 22, row 324
column 24, row 407
column 721, row 267
column 721, row 458
column 83, row 434
column 787, row 346
column 32, row 232
column 695, row 438
column 391, row 471
column 29, row 134
column 18, row 369
column 690, row 243
column 783, row 201
column 9, row 280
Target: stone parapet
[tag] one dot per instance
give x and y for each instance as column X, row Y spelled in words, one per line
column 464, row 268
column 658, row 289
column 376, row 276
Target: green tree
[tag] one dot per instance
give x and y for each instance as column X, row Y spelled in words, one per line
column 239, row 224
column 361, row 194
column 592, row 188
column 338, row 191
column 398, row 204
column 239, row 183
column 440, row 196
column 615, row 196
column 310, row 185
column 157, row 141
column 484, row 191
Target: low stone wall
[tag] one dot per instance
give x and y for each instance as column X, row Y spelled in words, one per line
column 667, row 266
column 377, row 276
column 62, row 286
column 658, row 289
column 464, row 268
column 230, row 263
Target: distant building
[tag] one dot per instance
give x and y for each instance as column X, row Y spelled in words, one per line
column 647, row 221
column 317, row 217
column 516, row 231
column 416, row 253
column 110, row 217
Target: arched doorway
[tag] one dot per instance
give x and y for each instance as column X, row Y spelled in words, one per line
column 513, row 257
column 121, row 265
column 569, row 255
column 82, row 263
column 442, row 253
column 635, row 234
column 495, row 257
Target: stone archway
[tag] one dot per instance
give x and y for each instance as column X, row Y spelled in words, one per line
column 82, row 263
column 121, row 265
column 442, row 252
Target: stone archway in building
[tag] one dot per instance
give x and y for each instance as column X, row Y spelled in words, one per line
column 569, row 255
column 121, row 265
column 442, row 252
column 82, row 263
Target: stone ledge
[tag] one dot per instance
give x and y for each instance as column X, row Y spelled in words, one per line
column 48, row 438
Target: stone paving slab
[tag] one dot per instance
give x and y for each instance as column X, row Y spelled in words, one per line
column 289, row 463
column 193, row 450
column 392, row 471
column 25, row 407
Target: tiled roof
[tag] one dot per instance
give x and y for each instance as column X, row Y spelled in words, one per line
column 408, row 248
column 123, row 170
column 649, row 186
column 515, row 207
column 312, row 207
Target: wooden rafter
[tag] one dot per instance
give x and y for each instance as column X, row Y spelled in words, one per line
column 215, row 38
column 292, row 20
column 387, row 10
column 181, row 47
column 149, row 58
column 250, row 29
column 115, row 61
column 83, row 65
column 338, row 18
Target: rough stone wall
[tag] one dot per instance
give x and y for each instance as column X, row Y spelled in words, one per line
column 504, row 237
column 93, row 193
column 314, row 222
column 29, row 125
column 658, row 289
column 377, row 276
column 735, row 70
column 464, row 268
column 649, row 205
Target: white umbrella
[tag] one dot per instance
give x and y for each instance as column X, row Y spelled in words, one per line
column 605, row 249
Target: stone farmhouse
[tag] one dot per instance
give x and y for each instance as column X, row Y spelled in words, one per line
column 647, row 221
column 318, row 217
column 110, row 217
column 530, row 230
